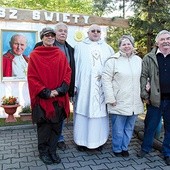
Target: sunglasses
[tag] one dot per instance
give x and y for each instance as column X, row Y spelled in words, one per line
column 93, row 31
column 49, row 35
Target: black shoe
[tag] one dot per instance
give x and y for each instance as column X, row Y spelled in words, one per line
column 61, row 145
column 81, row 148
column 125, row 153
column 141, row 154
column 167, row 160
column 46, row 159
column 118, row 154
column 55, row 158
column 100, row 148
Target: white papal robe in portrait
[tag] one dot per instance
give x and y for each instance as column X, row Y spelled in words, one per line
column 91, row 120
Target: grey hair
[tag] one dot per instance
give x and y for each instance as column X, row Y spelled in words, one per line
column 60, row 24
column 160, row 33
column 129, row 37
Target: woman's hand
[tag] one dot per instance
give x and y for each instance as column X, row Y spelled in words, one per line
column 114, row 104
column 54, row 93
column 148, row 86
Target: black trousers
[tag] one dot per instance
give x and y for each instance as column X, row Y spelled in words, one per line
column 48, row 134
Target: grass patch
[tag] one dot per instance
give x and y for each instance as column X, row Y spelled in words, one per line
column 19, row 122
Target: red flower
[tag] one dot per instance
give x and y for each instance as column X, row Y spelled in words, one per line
column 11, row 100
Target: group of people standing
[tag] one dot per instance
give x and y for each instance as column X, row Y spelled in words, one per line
column 102, row 83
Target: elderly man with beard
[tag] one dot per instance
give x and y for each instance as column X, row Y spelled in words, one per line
column 156, row 67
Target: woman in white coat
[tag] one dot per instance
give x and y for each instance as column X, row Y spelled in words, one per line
column 121, row 85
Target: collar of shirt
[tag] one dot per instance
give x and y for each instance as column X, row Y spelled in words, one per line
column 159, row 51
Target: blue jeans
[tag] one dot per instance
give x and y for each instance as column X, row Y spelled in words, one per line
column 158, row 130
column 122, row 130
column 152, row 120
column 61, row 137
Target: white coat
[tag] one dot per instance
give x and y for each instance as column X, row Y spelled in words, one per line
column 121, row 84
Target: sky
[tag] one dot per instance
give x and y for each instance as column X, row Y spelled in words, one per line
column 119, row 13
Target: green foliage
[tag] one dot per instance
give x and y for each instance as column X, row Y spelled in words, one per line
column 151, row 16
column 26, row 109
column 69, row 6
column 113, row 35
column 101, row 7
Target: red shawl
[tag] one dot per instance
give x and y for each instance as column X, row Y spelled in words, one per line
column 48, row 68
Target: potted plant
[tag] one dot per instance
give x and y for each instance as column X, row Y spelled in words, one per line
column 10, row 105
column 26, row 113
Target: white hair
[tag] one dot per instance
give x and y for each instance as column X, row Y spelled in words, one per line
column 60, row 24
column 17, row 35
column 160, row 33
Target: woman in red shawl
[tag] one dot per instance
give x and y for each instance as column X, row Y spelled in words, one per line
column 48, row 80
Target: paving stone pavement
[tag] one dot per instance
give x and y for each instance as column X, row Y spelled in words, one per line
column 18, row 150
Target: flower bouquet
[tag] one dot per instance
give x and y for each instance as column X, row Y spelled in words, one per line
column 11, row 100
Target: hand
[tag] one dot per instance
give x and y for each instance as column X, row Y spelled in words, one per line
column 147, row 101
column 71, row 100
column 54, row 93
column 147, row 87
column 75, row 90
column 114, row 104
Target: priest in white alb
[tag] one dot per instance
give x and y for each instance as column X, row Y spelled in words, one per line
column 91, row 120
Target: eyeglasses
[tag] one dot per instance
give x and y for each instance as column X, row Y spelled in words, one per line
column 49, row 35
column 93, row 31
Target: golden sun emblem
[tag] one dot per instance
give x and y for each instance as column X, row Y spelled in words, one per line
column 79, row 36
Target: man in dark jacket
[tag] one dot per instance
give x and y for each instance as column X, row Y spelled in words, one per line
column 61, row 31
column 156, row 67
